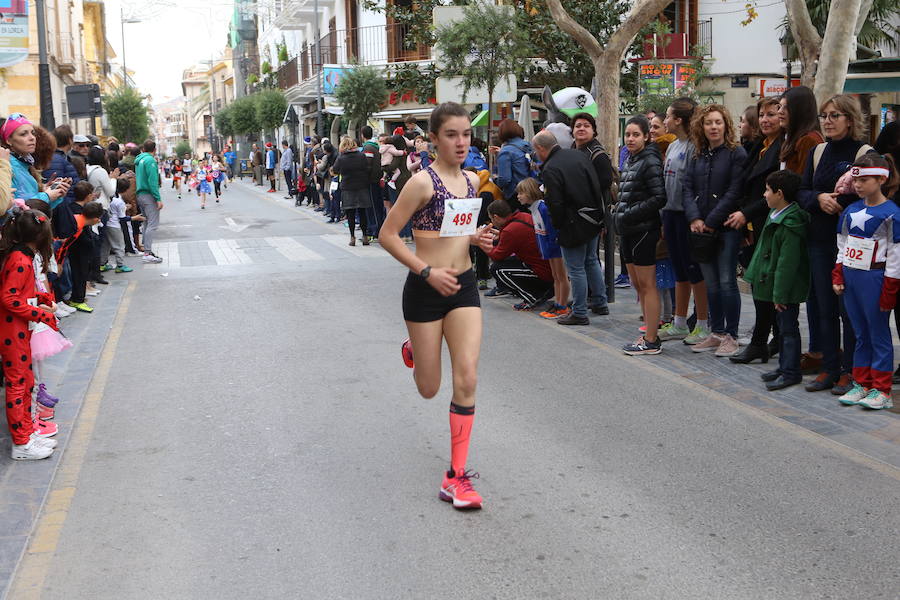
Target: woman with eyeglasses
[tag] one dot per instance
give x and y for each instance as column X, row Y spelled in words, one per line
column 843, row 125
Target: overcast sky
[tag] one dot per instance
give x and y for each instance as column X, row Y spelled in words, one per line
column 172, row 36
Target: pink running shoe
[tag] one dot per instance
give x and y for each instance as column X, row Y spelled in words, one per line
column 406, row 351
column 459, row 491
column 44, row 429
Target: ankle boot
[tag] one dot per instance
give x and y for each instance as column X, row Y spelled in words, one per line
column 352, row 240
column 749, row 354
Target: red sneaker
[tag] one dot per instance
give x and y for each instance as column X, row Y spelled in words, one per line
column 459, row 491
column 406, row 351
column 45, row 413
column 44, row 429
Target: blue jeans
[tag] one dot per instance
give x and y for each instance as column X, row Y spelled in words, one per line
column 721, row 285
column 334, row 208
column 789, row 353
column 584, row 267
column 825, row 311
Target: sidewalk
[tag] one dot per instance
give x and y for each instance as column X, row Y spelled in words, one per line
column 24, row 485
column 874, row 433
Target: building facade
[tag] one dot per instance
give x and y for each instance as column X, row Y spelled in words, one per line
column 78, row 53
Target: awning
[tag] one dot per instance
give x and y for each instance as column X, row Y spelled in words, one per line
column 399, row 114
column 481, row 120
column 872, row 83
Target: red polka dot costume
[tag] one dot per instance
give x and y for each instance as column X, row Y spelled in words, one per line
column 19, row 310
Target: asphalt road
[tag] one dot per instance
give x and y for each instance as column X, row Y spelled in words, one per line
column 255, row 435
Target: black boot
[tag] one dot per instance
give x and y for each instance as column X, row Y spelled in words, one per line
column 749, row 354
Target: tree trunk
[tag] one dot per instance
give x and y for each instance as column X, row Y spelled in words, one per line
column 607, row 58
column 806, row 38
column 839, row 42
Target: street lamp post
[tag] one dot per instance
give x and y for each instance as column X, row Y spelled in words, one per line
column 48, row 121
column 123, row 21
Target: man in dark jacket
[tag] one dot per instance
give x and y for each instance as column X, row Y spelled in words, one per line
column 573, row 195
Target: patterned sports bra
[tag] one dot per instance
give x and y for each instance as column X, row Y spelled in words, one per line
column 430, row 216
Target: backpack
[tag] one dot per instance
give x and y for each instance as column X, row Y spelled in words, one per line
column 820, row 150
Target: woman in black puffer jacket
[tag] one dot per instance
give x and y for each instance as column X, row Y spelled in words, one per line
column 642, row 194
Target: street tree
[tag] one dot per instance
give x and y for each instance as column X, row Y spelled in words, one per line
column 243, row 116
column 270, row 108
column 362, row 91
column 223, row 122
column 182, row 148
column 564, row 62
column 127, row 115
column 606, row 56
column 826, row 33
column 482, row 48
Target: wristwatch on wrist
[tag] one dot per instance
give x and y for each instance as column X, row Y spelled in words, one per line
column 424, row 273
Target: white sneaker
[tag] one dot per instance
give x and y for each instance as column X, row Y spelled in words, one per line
column 44, row 441
column 30, row 451
column 66, row 308
column 61, row 314
column 92, row 293
column 149, row 258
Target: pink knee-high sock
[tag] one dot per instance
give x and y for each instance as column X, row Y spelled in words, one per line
column 461, row 419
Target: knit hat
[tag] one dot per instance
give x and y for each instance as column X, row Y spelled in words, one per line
column 13, row 122
column 268, row 144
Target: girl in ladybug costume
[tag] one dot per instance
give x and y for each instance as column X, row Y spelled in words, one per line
column 24, row 234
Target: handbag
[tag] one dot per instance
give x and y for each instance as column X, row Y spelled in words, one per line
column 704, row 246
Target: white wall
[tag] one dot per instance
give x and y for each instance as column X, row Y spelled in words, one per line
column 740, row 49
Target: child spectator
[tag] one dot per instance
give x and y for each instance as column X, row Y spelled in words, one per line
column 77, row 249
column 867, row 273
column 114, row 238
column 779, row 272
column 25, row 233
column 45, row 341
column 529, row 194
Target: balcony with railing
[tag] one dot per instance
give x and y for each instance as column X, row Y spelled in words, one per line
column 373, row 45
column 287, row 74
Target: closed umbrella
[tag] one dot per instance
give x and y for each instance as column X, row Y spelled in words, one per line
column 525, row 117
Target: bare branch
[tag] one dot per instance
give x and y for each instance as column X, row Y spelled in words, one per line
column 806, row 37
column 582, row 36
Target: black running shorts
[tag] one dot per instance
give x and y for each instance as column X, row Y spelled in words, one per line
column 423, row 304
column 640, row 248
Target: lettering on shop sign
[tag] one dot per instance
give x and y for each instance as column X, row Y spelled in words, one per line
column 408, row 96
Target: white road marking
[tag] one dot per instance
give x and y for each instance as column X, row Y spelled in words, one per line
column 292, row 249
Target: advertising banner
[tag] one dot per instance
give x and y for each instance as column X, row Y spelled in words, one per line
column 13, row 32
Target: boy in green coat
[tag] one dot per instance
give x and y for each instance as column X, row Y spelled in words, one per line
column 779, row 271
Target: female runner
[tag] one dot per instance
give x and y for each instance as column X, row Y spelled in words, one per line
column 440, row 298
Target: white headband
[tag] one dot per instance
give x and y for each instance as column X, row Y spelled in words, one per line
column 869, row 172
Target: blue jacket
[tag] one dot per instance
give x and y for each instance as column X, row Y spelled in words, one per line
column 24, row 182
column 474, row 159
column 60, row 166
column 713, row 184
column 513, row 165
